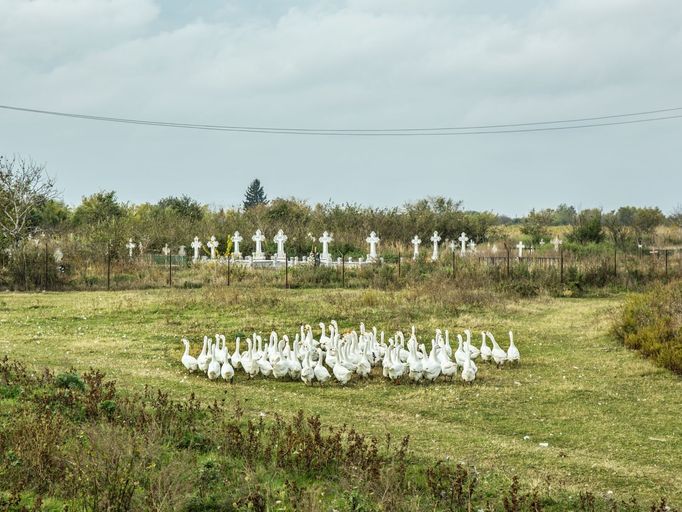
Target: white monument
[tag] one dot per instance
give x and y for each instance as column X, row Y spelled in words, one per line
column 542, row 241
column 236, row 238
column 520, row 246
column 415, row 243
column 196, row 245
column 212, row 244
column 279, row 239
column 472, row 246
column 556, row 243
column 58, row 255
column 181, row 251
column 130, row 246
column 435, row 238
column 494, row 249
column 165, row 250
column 463, row 238
column 453, row 246
column 324, row 240
column 259, row 238
column 372, row 240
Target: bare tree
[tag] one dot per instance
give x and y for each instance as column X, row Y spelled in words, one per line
column 24, row 186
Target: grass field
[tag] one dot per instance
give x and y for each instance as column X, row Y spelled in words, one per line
column 611, row 419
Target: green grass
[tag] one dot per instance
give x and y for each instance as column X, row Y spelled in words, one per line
column 610, row 417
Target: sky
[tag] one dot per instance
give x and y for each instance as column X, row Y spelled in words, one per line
column 359, row 64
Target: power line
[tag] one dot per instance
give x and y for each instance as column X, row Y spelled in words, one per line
column 537, row 126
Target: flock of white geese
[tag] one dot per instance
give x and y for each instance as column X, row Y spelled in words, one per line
column 340, row 356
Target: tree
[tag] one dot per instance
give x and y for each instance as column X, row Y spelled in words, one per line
column 184, row 206
column 535, row 224
column 24, row 187
column 98, row 208
column 587, row 227
column 564, row 215
column 254, row 195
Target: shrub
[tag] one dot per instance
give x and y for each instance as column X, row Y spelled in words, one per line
column 652, row 323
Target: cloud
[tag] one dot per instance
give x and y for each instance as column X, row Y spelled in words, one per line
column 355, row 63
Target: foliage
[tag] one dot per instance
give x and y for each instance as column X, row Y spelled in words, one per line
column 587, row 227
column 99, row 208
column 536, row 223
column 184, row 207
column 254, row 195
column 652, row 324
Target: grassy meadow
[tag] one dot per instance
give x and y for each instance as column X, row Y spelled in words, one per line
column 610, row 418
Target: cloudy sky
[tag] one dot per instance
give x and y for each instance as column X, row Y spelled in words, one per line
column 348, row 64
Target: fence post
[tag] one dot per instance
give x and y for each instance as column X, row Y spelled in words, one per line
column 508, row 260
column 453, row 264
column 343, row 271
column 286, row 271
column 228, row 270
column 46, row 264
column 561, row 265
column 615, row 261
column 109, row 265
column 666, row 263
column 170, row 270
column 399, row 258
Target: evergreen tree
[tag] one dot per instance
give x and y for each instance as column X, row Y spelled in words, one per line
column 254, row 195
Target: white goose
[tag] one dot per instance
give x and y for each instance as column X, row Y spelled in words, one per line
column 341, row 373
column 486, row 352
column 307, row 371
column 468, row 372
column 188, row 361
column 513, row 355
column 321, row 373
column 213, row 371
column 249, row 361
column 202, row 360
column 499, row 355
column 226, row 371
column 236, row 359
column 431, row 365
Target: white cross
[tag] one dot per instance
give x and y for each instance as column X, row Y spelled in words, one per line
column 463, row 238
column 212, row 244
column 279, row 239
column 520, row 246
column 196, row 245
column 165, row 250
column 472, row 246
column 453, row 246
column 415, row 243
column 372, row 240
column 258, row 238
column 236, row 238
column 130, row 246
column 324, row 240
column 542, row 241
column 140, row 247
column 494, row 249
column 557, row 242
column 435, row 239
column 181, row 251
column 58, row 255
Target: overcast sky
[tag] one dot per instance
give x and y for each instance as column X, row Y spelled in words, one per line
column 348, row 64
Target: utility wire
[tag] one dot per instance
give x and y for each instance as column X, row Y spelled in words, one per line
column 537, row 126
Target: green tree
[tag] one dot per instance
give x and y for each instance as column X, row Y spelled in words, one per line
column 564, row 215
column 535, row 224
column 98, row 208
column 254, row 195
column 587, row 227
column 184, row 206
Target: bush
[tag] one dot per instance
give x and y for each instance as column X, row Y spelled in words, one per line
column 652, row 323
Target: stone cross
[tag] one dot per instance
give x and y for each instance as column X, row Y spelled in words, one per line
column 140, row 247
column 472, row 246
column 494, row 249
column 463, row 238
column 130, row 246
column 324, row 240
column 279, row 239
column 557, row 242
column 212, row 244
column 372, row 240
column 196, row 245
column 435, row 239
column 181, row 251
column 415, row 243
column 165, row 250
column 236, row 238
column 520, row 246
column 259, row 237
column 58, row 255
column 542, row 241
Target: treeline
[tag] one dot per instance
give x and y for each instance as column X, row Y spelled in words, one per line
column 101, row 224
